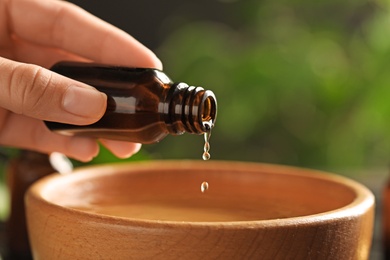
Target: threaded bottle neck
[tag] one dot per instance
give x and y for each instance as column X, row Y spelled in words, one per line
column 190, row 109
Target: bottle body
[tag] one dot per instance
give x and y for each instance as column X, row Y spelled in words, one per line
column 143, row 105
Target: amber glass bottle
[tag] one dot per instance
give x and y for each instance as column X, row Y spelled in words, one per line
column 143, row 104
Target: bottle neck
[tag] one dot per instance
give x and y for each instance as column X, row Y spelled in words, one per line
column 190, row 109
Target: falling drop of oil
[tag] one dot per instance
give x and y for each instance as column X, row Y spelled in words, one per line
column 206, row 155
column 206, row 148
column 204, row 186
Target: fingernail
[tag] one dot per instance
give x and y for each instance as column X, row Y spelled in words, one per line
column 84, row 102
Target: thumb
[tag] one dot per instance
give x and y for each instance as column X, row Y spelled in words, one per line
column 40, row 93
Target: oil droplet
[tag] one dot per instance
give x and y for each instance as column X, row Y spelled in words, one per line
column 206, row 155
column 204, row 186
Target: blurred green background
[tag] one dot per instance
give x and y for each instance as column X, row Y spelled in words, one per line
column 303, row 83
column 298, row 82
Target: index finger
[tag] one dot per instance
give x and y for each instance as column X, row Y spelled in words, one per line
column 63, row 25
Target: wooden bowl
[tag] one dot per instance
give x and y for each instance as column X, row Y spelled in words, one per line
column 156, row 210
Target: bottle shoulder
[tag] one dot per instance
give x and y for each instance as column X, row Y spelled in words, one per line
column 95, row 72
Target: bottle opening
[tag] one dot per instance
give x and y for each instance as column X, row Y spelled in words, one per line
column 190, row 109
column 209, row 110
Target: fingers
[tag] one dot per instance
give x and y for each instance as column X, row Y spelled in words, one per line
column 41, row 55
column 25, row 132
column 63, row 25
column 121, row 149
column 43, row 32
column 39, row 93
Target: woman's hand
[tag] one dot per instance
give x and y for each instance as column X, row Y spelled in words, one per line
column 35, row 34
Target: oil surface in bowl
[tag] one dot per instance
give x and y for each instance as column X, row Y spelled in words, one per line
column 226, row 201
column 191, row 210
column 170, row 194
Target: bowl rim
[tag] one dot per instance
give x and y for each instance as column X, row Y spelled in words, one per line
column 362, row 203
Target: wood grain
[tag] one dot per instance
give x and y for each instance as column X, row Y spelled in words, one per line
column 250, row 211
